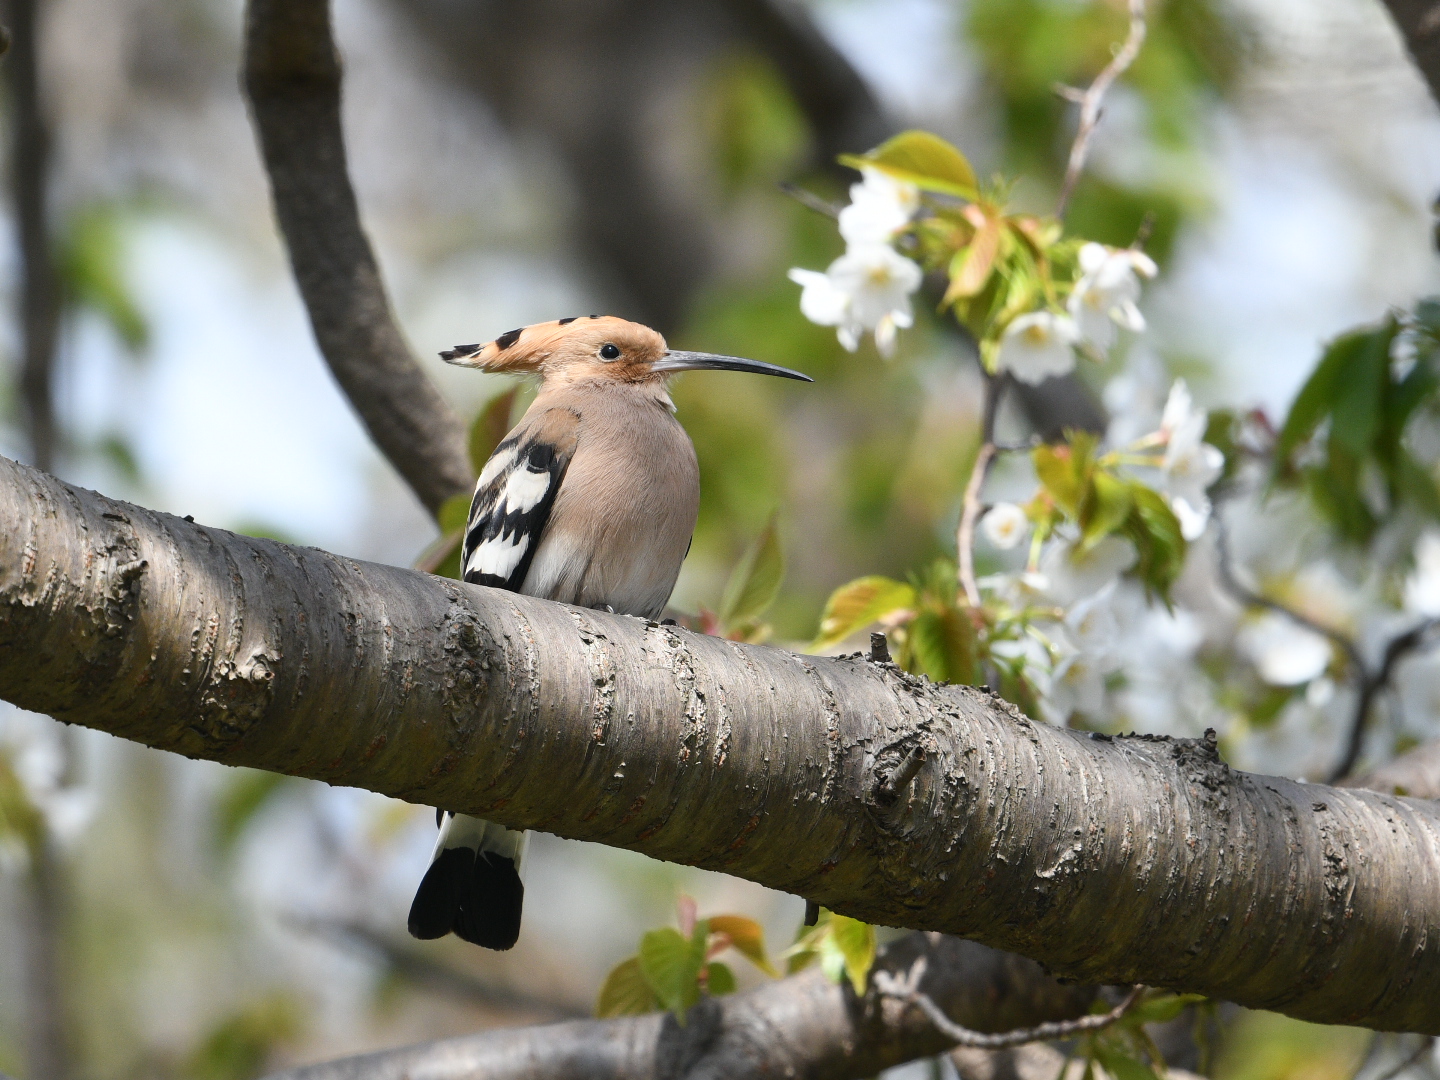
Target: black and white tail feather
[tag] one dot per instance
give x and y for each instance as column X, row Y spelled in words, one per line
column 473, row 886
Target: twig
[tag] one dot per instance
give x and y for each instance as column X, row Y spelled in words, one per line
column 1372, row 683
column 907, row 988
column 810, row 199
column 970, row 509
column 1091, row 100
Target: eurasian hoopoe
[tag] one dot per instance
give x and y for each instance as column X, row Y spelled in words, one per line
column 590, row 500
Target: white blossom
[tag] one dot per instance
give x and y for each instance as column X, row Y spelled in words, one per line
column 1106, row 293
column 1285, row 653
column 1089, row 651
column 867, row 288
column 1037, row 346
column 880, row 206
column 1190, row 465
column 1422, row 588
column 1005, row 525
column 1072, row 574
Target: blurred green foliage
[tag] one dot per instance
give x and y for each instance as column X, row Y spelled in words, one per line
column 242, row 1045
column 92, row 268
column 1268, row 1046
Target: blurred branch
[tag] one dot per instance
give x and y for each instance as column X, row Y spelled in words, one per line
column 251, row 652
column 995, row 386
column 811, row 201
column 1368, row 682
column 1415, row 773
column 407, row 962
column 804, row 1026
column 39, row 294
column 292, row 77
column 1372, row 683
column 1419, row 24
column 1092, row 99
column 47, row 1042
column 600, row 81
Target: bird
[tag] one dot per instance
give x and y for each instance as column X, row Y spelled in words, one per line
column 591, row 500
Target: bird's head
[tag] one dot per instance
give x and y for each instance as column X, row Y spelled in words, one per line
column 596, row 347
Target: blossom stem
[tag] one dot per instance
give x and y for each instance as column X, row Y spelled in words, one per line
column 970, row 508
column 1091, row 100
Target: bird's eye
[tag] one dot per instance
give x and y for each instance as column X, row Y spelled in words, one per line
column 609, row 351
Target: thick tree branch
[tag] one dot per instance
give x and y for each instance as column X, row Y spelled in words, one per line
column 1126, row 860
column 292, row 77
column 804, row 1026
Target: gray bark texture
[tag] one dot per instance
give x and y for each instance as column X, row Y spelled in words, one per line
column 292, row 78
column 1117, row 860
column 804, row 1027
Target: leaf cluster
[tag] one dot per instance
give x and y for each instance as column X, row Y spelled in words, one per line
column 1080, row 486
column 1344, row 438
column 843, row 947
column 674, row 968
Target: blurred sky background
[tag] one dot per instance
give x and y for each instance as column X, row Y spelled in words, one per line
column 1296, row 191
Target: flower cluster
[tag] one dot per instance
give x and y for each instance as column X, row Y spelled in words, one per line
column 869, row 287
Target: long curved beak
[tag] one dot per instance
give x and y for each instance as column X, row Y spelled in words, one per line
column 677, row 360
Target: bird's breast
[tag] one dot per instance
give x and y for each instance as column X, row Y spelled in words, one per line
column 624, row 514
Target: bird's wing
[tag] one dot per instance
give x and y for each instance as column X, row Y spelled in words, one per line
column 513, row 498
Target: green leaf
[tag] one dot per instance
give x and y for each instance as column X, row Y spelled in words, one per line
column 747, row 937
column 92, row 264
column 756, row 578
column 972, row 265
column 1160, row 1010
column 1317, row 397
column 855, row 942
column 671, row 965
column 454, row 512
column 925, row 160
column 856, row 605
column 940, row 642
column 626, row 992
column 242, row 1045
column 1155, row 532
column 1065, row 471
column 249, row 792
column 1121, row 1065
column 1113, row 501
column 1355, row 416
column 719, row 979
column 19, row 816
column 489, row 427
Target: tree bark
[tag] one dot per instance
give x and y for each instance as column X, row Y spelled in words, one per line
column 292, row 77
column 804, row 1027
column 1108, row 860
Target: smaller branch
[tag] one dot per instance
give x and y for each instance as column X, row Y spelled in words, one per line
column 1417, row 637
column 810, row 199
column 907, row 988
column 1092, row 99
column 1246, row 595
column 970, row 509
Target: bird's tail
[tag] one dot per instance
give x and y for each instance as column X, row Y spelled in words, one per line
column 473, row 885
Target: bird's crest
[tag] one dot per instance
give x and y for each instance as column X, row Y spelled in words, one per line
column 542, row 347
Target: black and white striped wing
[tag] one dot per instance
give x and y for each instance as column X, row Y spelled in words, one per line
column 513, row 498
